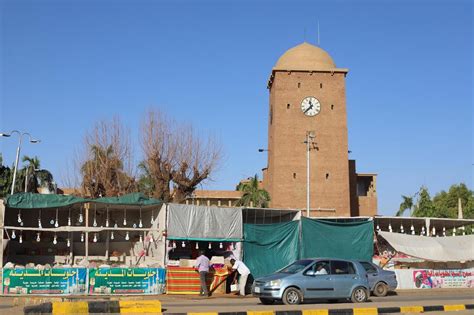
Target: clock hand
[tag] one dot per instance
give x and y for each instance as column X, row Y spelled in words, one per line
column 310, row 106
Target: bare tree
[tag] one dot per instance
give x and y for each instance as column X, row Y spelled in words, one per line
column 197, row 157
column 107, row 167
column 159, row 149
column 176, row 155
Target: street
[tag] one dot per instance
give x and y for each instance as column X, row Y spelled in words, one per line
column 221, row 303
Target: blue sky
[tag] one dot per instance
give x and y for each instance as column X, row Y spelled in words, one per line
column 66, row 64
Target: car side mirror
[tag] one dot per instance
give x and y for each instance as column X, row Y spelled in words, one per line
column 310, row 273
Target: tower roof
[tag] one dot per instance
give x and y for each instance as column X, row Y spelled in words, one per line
column 305, row 57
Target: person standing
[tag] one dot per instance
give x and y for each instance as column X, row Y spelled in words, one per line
column 202, row 265
column 244, row 272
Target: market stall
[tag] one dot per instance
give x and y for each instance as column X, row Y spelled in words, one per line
column 96, row 237
column 193, row 228
column 422, row 262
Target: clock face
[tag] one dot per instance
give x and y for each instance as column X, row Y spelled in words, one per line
column 310, row 106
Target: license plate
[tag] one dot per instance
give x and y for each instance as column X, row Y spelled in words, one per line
column 257, row 290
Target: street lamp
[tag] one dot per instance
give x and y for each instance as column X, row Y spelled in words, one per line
column 310, row 136
column 20, row 137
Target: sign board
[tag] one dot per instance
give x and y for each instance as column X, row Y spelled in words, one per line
column 61, row 281
column 449, row 278
column 435, row 278
column 127, row 281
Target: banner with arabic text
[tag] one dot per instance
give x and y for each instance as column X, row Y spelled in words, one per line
column 60, row 281
column 127, row 281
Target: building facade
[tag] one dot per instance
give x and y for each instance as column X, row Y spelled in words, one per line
column 308, row 127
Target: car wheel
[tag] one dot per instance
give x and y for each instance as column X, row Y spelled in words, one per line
column 267, row 301
column 292, row 296
column 380, row 289
column 359, row 295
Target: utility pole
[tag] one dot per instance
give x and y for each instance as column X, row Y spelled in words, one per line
column 309, row 141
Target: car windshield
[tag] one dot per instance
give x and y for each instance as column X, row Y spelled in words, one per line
column 297, row 266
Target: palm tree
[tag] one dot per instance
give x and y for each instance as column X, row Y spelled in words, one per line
column 253, row 194
column 103, row 174
column 6, row 178
column 145, row 181
column 37, row 177
column 407, row 203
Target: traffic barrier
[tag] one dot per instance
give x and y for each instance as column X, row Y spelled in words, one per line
column 154, row 307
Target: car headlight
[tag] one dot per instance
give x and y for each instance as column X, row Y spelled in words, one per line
column 274, row 283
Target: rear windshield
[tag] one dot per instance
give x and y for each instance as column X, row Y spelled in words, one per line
column 297, row 266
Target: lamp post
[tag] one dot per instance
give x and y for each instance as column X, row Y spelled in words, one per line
column 20, row 137
column 309, row 141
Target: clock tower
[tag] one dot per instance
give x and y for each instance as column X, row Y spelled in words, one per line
column 308, row 127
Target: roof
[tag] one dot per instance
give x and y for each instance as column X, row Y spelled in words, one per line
column 218, row 194
column 305, row 57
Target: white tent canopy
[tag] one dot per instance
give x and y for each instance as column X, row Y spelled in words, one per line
column 451, row 248
column 204, row 223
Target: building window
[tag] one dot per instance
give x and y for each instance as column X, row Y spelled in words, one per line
column 327, row 176
column 320, row 85
column 332, row 107
column 294, row 175
column 299, row 85
column 288, row 106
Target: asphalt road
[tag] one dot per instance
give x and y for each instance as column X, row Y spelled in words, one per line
column 231, row 303
column 182, row 304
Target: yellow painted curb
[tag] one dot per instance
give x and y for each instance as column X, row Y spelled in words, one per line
column 135, row 307
column 366, row 311
column 459, row 307
column 411, row 309
column 260, row 313
column 315, row 312
column 70, row 308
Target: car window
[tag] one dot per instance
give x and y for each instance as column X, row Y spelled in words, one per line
column 321, row 267
column 342, row 268
column 368, row 267
column 297, row 266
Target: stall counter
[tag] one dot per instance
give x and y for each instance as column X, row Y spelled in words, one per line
column 185, row 280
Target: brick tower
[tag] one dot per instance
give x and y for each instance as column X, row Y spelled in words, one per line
column 307, row 97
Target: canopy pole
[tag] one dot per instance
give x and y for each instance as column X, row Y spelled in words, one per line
column 86, row 207
column 71, row 248
column 107, row 243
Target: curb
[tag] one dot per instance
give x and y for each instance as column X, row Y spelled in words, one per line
column 154, row 307
column 347, row 311
column 90, row 307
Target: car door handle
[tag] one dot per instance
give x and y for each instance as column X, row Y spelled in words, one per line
column 328, row 278
column 355, row 277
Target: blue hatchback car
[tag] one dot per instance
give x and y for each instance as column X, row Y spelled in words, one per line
column 321, row 278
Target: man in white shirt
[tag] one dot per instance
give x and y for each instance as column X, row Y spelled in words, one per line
column 244, row 272
column 320, row 270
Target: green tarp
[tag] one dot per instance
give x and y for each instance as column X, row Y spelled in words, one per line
column 40, row 201
column 348, row 240
column 134, row 199
column 269, row 247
